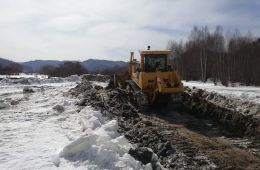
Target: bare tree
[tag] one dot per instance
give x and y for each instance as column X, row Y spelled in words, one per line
column 63, row 70
column 230, row 58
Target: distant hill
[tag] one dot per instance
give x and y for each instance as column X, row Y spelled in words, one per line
column 35, row 65
column 5, row 62
column 95, row 65
column 90, row 64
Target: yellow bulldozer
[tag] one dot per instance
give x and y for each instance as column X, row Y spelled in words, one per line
column 152, row 80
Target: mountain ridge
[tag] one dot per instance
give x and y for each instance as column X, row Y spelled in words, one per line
column 5, row 62
column 89, row 64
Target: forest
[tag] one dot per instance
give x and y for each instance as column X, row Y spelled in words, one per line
column 11, row 68
column 228, row 57
column 63, row 70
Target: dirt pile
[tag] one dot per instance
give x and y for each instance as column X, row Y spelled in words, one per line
column 98, row 77
column 240, row 115
column 156, row 141
column 171, row 140
column 27, row 90
column 59, row 108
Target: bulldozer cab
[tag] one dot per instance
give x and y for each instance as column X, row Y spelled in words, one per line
column 155, row 60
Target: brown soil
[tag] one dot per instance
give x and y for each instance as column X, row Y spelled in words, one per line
column 181, row 140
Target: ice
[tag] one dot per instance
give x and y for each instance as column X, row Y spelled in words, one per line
column 102, row 84
column 77, row 147
column 34, row 136
column 33, row 79
column 24, row 75
column 92, row 123
column 101, row 146
column 56, row 160
column 66, row 103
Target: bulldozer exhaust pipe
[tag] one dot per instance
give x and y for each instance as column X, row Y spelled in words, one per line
column 131, row 56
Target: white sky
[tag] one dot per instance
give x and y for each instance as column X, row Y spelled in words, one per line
column 110, row 29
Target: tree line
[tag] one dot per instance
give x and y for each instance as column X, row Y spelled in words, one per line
column 65, row 69
column 12, row 68
column 228, row 58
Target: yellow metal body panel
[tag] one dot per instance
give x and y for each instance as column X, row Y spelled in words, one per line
column 148, row 81
column 156, row 82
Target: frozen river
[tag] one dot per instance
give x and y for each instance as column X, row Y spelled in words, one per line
column 35, row 135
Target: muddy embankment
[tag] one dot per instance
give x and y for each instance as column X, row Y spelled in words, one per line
column 241, row 116
column 158, row 140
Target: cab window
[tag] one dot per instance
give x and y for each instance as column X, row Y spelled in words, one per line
column 155, row 61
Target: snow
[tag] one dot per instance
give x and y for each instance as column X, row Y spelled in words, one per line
column 33, row 79
column 102, row 84
column 249, row 93
column 34, row 135
column 24, row 75
column 100, row 146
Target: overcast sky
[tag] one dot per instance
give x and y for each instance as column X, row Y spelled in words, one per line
column 110, row 29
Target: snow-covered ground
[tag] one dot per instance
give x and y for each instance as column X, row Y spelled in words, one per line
column 35, row 135
column 250, row 93
column 34, row 79
column 23, row 75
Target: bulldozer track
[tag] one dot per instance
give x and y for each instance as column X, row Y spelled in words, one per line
column 194, row 135
column 141, row 100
